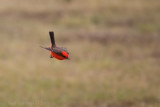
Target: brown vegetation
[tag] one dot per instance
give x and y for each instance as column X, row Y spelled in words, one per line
column 114, row 48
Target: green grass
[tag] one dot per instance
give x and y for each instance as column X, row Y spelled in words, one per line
column 114, row 50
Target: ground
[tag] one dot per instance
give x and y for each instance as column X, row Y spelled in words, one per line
column 114, row 49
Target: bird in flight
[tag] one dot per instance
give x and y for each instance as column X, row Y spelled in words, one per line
column 60, row 53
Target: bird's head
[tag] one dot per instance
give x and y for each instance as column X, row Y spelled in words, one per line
column 65, row 54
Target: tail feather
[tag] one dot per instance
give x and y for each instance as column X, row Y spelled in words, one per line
column 51, row 33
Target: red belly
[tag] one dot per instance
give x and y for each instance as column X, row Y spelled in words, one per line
column 57, row 56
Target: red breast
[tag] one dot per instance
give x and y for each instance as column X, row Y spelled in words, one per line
column 59, row 56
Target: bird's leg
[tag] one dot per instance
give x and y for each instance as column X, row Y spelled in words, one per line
column 51, row 56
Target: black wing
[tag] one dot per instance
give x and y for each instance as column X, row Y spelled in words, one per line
column 46, row 48
column 65, row 49
column 57, row 51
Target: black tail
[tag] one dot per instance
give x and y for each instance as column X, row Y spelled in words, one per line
column 52, row 38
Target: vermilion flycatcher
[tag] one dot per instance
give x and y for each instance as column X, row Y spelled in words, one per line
column 56, row 52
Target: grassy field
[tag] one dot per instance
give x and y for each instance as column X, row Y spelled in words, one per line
column 114, row 48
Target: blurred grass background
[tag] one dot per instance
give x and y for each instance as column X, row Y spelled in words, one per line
column 114, row 48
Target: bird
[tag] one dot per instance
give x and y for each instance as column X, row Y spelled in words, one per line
column 59, row 53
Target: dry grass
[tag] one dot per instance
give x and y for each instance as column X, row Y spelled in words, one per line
column 114, row 49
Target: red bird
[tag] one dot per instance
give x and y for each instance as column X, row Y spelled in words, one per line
column 57, row 52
